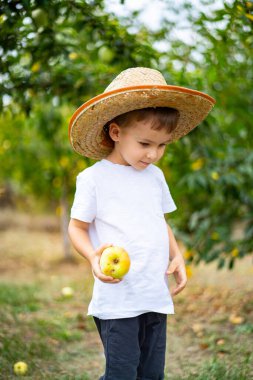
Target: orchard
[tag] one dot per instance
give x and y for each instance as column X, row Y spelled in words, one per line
column 56, row 55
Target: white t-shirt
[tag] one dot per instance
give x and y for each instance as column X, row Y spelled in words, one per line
column 126, row 208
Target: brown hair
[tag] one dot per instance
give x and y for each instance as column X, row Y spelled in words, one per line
column 162, row 118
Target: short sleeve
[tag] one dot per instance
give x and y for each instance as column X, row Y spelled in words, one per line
column 84, row 205
column 168, row 204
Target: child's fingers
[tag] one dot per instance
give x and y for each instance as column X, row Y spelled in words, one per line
column 180, row 286
column 179, row 275
column 172, row 268
column 109, row 280
column 104, row 278
column 178, row 289
column 112, row 281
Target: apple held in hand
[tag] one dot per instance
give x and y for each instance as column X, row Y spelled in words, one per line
column 115, row 262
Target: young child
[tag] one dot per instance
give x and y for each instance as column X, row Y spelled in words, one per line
column 121, row 200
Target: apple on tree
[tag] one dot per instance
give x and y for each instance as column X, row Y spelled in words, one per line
column 40, row 18
column 105, row 54
column 115, row 262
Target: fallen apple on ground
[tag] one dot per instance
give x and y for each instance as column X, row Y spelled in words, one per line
column 67, row 292
column 115, row 262
column 20, row 368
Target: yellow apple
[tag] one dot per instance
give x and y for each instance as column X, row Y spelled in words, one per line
column 40, row 17
column 105, row 54
column 20, row 368
column 115, row 262
column 67, row 292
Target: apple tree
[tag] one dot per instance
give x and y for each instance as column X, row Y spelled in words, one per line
column 212, row 167
column 54, row 56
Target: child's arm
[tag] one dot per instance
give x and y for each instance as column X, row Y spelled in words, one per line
column 177, row 265
column 78, row 233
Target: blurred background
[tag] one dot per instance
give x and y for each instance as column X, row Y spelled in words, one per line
column 55, row 55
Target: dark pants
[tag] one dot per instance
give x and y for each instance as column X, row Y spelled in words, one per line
column 134, row 347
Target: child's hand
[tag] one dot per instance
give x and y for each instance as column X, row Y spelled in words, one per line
column 177, row 267
column 96, row 266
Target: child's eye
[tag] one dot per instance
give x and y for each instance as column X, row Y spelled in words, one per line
column 144, row 144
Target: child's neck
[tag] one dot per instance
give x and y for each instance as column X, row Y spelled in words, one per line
column 116, row 159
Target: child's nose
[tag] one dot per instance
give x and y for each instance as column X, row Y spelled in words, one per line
column 152, row 154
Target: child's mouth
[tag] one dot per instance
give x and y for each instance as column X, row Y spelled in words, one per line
column 144, row 163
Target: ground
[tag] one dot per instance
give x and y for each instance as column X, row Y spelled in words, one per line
column 209, row 337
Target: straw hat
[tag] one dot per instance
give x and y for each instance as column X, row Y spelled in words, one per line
column 132, row 89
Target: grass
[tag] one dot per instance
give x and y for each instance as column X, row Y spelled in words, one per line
column 40, row 331
column 19, row 298
column 217, row 369
column 209, row 337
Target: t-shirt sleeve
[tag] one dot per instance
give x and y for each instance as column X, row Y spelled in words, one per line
column 84, row 205
column 168, row 204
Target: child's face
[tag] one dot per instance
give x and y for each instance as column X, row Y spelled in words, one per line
column 138, row 145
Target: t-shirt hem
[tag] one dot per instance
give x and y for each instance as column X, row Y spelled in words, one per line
column 124, row 314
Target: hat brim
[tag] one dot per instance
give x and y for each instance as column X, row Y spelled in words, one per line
column 86, row 125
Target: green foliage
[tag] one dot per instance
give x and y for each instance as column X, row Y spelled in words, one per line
column 54, row 56
column 52, row 50
column 36, row 154
column 211, row 168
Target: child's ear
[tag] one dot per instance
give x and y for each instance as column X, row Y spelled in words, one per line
column 114, row 131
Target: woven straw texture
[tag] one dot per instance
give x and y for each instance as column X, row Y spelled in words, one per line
column 134, row 88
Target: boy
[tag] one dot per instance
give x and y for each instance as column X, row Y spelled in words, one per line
column 121, row 200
